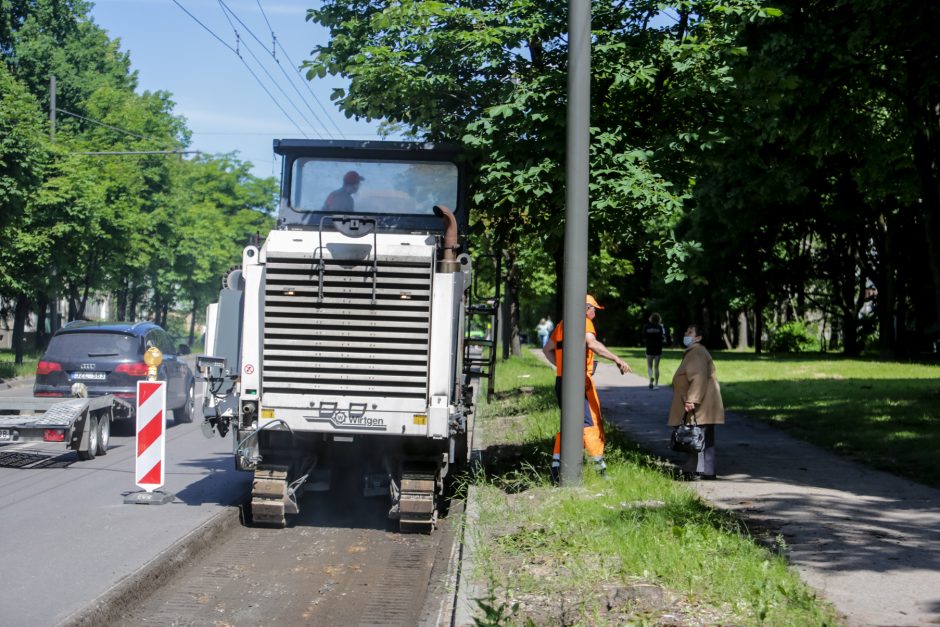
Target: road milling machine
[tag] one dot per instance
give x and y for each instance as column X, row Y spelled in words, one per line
column 340, row 339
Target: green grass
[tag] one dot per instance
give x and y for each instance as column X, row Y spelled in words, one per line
column 559, row 556
column 883, row 414
column 8, row 369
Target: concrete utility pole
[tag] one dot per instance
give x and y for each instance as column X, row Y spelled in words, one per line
column 577, row 201
column 53, row 312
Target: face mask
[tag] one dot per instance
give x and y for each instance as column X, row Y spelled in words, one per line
column 688, row 340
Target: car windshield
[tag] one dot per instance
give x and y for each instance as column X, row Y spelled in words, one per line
column 329, row 186
column 90, row 344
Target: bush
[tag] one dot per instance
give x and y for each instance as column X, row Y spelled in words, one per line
column 793, row 337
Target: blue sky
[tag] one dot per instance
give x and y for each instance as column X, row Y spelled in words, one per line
column 225, row 107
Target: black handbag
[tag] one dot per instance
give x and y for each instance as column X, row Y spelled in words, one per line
column 688, row 437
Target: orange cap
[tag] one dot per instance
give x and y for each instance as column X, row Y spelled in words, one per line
column 593, row 303
column 352, row 177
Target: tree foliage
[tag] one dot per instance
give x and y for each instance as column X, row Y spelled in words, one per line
column 750, row 161
column 493, row 76
column 156, row 232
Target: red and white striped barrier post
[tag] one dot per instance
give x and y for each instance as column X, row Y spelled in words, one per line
column 150, row 461
column 151, row 434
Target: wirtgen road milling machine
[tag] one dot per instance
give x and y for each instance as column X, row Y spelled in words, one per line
column 339, row 343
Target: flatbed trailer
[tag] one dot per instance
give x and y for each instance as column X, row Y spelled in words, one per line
column 82, row 424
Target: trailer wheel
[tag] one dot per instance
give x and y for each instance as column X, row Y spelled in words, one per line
column 104, row 434
column 185, row 413
column 91, row 425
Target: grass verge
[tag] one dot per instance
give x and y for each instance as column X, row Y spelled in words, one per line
column 638, row 548
column 883, row 414
column 9, row 370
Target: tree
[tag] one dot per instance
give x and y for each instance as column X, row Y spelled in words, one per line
column 817, row 180
column 492, row 75
column 23, row 160
column 151, row 229
column 223, row 206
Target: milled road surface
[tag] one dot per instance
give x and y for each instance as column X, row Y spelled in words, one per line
column 868, row 541
column 337, row 563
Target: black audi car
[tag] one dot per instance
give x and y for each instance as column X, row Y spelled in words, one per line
column 108, row 358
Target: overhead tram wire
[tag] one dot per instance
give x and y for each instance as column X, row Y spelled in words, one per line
column 274, row 81
column 286, row 75
column 297, row 69
column 303, row 80
column 108, row 153
column 247, row 67
column 307, row 85
column 110, row 126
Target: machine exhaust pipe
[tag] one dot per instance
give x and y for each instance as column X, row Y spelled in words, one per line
column 448, row 263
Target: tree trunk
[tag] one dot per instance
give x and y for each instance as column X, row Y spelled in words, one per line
column 132, row 306
column 42, row 307
column 726, row 335
column 758, row 321
column 86, row 288
column 73, row 301
column 849, row 317
column 886, row 299
column 742, row 330
column 21, row 312
column 122, row 300
column 835, row 333
column 922, row 102
column 558, row 257
column 512, row 301
column 925, row 160
column 192, row 322
column 157, row 304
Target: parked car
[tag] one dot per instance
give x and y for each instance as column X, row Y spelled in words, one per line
column 108, row 358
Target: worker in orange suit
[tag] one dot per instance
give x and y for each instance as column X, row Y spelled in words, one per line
column 593, row 428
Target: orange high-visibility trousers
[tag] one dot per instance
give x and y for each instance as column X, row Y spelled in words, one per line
column 593, row 432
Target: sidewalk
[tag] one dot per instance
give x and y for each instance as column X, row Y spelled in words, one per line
column 16, row 383
column 868, row 541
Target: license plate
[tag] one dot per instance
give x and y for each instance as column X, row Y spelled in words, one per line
column 88, row 376
column 6, row 435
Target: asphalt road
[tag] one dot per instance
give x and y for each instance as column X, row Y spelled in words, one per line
column 66, row 536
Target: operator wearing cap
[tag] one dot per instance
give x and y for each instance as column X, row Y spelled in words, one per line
column 593, row 428
column 341, row 200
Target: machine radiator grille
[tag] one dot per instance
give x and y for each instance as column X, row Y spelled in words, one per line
column 353, row 328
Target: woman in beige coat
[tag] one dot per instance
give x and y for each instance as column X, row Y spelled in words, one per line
column 695, row 390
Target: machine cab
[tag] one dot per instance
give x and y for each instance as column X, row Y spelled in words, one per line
column 397, row 184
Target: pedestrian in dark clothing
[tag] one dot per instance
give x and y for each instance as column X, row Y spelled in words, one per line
column 655, row 335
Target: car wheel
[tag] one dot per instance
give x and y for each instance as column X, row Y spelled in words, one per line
column 185, row 413
column 91, row 425
column 104, row 434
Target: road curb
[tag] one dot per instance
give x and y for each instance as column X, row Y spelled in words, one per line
column 109, row 607
column 467, row 590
